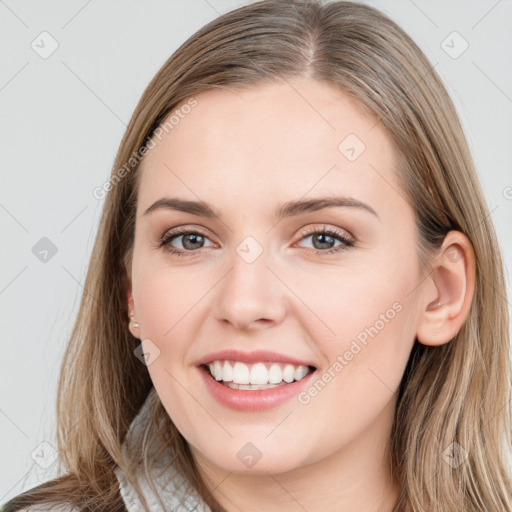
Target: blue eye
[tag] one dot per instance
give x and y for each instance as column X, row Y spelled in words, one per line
column 193, row 236
column 190, row 236
column 327, row 236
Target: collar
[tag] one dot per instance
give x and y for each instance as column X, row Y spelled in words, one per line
column 175, row 491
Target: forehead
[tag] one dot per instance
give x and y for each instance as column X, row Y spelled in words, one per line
column 278, row 139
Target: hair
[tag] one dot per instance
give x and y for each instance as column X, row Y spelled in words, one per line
column 458, row 392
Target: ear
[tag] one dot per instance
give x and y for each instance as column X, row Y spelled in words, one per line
column 133, row 326
column 448, row 291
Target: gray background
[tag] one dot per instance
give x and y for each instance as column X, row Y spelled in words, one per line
column 62, row 119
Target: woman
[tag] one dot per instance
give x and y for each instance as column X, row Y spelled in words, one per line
column 240, row 382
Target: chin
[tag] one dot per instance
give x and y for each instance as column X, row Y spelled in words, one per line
column 249, row 460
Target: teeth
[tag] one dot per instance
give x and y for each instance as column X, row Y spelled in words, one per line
column 252, row 386
column 259, row 374
column 217, row 370
column 227, row 372
column 301, row 372
column 256, row 376
column 275, row 375
column 289, row 373
column 241, row 373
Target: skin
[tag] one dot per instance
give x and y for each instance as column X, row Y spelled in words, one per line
column 245, row 152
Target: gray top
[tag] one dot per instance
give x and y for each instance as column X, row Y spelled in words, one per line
column 174, row 490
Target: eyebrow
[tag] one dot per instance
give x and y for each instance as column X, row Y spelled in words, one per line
column 288, row 209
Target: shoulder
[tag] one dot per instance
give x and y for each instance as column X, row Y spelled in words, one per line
column 40, row 508
column 49, row 508
column 41, row 498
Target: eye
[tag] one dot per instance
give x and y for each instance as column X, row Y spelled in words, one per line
column 191, row 240
column 325, row 237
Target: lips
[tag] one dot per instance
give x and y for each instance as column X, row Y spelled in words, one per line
column 252, row 357
column 255, row 400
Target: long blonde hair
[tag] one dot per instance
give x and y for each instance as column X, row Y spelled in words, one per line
column 455, row 393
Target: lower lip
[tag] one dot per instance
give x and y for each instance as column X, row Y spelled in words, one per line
column 252, row 400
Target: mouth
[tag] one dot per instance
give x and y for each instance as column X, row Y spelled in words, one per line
column 256, row 376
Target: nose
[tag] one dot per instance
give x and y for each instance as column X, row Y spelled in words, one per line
column 250, row 296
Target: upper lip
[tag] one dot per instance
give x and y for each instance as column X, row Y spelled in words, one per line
column 251, row 357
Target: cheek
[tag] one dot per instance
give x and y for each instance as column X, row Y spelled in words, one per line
column 168, row 299
column 345, row 302
column 373, row 338
column 364, row 371
column 167, row 309
column 371, row 316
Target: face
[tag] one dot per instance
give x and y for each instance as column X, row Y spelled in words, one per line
column 329, row 287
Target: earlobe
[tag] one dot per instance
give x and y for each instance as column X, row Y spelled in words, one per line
column 448, row 291
column 133, row 323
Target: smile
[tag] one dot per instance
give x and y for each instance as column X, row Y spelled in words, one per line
column 247, row 397
column 260, row 375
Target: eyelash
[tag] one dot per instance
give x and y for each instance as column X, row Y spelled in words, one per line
column 347, row 243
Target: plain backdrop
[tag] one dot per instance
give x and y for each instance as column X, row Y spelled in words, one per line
column 71, row 73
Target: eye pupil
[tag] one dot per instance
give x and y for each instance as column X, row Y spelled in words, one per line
column 191, row 236
column 323, row 235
